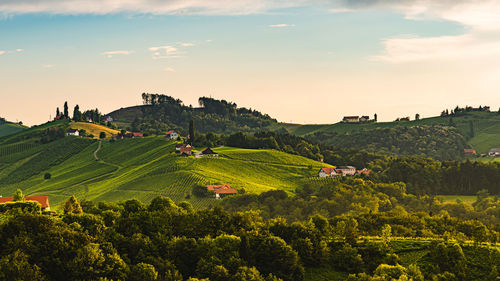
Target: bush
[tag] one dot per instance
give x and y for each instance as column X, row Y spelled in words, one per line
column 47, row 176
column 102, row 135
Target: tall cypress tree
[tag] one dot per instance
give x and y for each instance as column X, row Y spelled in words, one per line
column 77, row 115
column 66, row 114
column 58, row 113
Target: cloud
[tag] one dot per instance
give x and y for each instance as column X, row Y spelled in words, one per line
column 165, row 52
column 281, row 25
column 186, row 44
column 110, row 54
column 47, row 66
column 19, row 50
column 205, row 7
column 2, row 52
column 169, row 69
column 341, row 10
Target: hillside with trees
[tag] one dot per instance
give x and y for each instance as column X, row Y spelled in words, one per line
column 161, row 113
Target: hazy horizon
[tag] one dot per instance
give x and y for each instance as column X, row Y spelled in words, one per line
column 307, row 61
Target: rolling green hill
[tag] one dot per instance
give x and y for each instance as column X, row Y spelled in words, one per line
column 485, row 128
column 139, row 168
column 10, row 128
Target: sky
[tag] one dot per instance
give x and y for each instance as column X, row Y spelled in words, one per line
column 303, row 61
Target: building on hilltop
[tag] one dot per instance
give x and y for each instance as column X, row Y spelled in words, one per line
column 173, row 135
column 72, row 132
column 494, row 152
column 327, row 172
column 43, row 200
column 209, row 152
column 222, row 190
column 351, row 119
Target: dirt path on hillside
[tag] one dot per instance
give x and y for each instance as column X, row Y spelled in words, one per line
column 97, row 150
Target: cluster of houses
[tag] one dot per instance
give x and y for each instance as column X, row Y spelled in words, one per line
column 342, row 171
column 43, row 200
column 185, row 149
column 494, row 152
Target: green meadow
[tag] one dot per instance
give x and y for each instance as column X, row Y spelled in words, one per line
column 142, row 168
column 10, row 128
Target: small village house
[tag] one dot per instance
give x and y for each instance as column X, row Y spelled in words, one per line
column 43, row 200
column 209, row 152
column 173, row 135
column 108, row 119
column 179, row 146
column 364, row 118
column 327, row 172
column 469, row 151
column 346, row 170
column 351, row 119
column 363, row 172
column 494, row 152
column 72, row 132
column 186, row 150
column 133, row 135
column 222, row 190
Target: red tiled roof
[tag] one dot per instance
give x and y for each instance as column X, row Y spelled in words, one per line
column 222, row 189
column 364, row 171
column 328, row 170
column 43, row 200
column 137, row 134
column 169, row 132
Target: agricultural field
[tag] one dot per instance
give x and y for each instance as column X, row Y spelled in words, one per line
column 94, row 129
column 141, row 168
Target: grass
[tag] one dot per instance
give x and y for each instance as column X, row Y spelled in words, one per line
column 94, row 129
column 10, row 128
column 141, row 168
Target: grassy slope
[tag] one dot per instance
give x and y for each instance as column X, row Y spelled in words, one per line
column 486, row 128
column 94, row 129
column 10, row 128
column 143, row 168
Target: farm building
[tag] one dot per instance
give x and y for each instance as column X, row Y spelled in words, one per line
column 222, row 190
column 179, row 146
column 209, row 152
column 469, row 151
column 494, row 152
column 346, row 170
column 43, row 200
column 172, row 135
column 133, row 135
column 108, row 119
column 72, row 132
column 351, row 119
column 327, row 172
column 364, row 171
column 186, row 150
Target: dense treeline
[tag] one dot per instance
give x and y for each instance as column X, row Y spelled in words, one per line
column 438, row 142
column 163, row 112
column 271, row 236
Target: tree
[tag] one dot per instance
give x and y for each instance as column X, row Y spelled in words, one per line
column 72, row 206
column 77, row 115
column 58, row 113
column 417, row 117
column 47, row 176
column 375, row 117
column 102, row 135
column 386, row 234
column 18, row 195
column 66, row 113
column 191, row 132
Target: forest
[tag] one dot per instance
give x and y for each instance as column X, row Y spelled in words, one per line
column 352, row 229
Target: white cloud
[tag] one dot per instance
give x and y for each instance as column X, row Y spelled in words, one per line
column 110, row 54
column 209, row 40
column 281, row 25
column 413, row 49
column 19, row 50
column 165, row 52
column 206, row 7
column 169, row 69
column 2, row 52
column 186, row 44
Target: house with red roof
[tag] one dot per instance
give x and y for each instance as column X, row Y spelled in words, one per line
column 327, row 172
column 43, row 200
column 362, row 172
column 173, row 135
column 222, row 190
column 133, row 135
column 469, row 151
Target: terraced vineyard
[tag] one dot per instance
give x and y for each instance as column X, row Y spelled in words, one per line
column 141, row 168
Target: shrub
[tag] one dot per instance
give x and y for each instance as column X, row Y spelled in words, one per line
column 47, row 176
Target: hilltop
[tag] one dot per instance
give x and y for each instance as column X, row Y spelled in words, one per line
column 9, row 128
column 139, row 168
